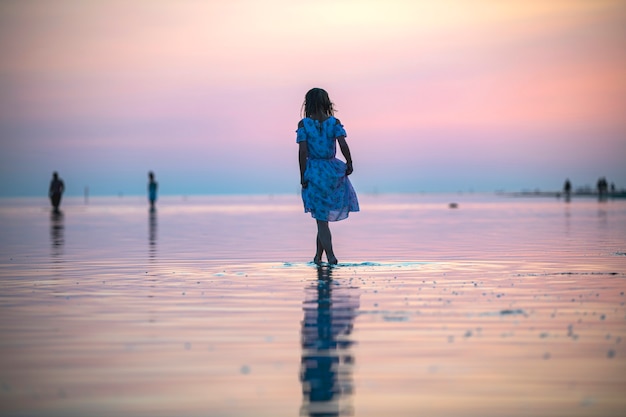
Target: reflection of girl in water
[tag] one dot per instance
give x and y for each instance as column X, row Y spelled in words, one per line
column 326, row 367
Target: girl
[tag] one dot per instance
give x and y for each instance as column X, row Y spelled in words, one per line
column 326, row 190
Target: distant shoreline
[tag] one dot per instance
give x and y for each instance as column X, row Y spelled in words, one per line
column 560, row 194
column 189, row 197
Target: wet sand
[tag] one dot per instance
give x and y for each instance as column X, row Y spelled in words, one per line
column 209, row 307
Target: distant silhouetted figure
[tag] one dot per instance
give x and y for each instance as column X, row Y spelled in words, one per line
column 152, row 190
column 567, row 188
column 603, row 188
column 56, row 190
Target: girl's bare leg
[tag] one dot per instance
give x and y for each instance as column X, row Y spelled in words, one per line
column 325, row 239
column 319, row 252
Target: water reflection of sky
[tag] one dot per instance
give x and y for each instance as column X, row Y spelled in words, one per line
column 276, row 229
column 456, row 310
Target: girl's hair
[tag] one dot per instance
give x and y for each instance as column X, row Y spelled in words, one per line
column 316, row 101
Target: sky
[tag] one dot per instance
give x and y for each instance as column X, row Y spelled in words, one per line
column 445, row 96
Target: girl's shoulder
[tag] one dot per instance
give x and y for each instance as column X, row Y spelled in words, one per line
column 307, row 121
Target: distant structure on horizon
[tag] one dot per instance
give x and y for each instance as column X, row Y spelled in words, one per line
column 603, row 191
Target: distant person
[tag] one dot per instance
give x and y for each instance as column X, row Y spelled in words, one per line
column 152, row 189
column 326, row 190
column 56, row 190
column 603, row 188
column 567, row 188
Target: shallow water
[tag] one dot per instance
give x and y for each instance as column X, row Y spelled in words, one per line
column 209, row 307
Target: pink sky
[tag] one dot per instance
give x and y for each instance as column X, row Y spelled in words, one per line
column 435, row 96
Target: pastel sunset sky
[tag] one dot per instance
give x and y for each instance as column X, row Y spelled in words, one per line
column 436, row 96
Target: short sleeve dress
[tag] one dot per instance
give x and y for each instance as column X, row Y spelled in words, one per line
column 329, row 195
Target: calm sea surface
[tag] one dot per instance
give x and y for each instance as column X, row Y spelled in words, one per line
column 209, row 307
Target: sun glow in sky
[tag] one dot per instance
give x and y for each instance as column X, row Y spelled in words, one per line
column 435, row 96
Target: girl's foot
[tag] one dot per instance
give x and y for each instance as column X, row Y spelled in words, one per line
column 317, row 261
column 332, row 261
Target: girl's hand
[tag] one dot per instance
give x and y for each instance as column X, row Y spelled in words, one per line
column 349, row 169
column 304, row 183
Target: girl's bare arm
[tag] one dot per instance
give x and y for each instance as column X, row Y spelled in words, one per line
column 345, row 150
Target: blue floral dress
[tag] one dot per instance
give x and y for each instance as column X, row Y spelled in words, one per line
column 329, row 195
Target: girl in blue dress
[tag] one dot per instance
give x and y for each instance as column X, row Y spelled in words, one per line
column 326, row 190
